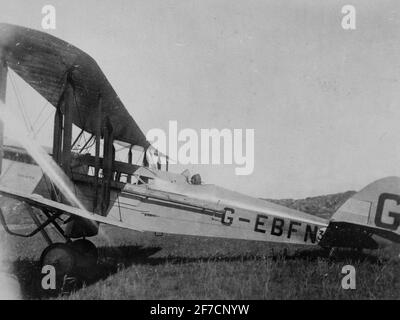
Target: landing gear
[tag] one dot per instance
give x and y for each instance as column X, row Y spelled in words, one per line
column 61, row 257
column 87, row 255
column 72, row 260
column 77, row 258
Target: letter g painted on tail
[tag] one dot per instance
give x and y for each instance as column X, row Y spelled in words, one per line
column 384, row 211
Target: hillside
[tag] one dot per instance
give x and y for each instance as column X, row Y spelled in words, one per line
column 322, row 206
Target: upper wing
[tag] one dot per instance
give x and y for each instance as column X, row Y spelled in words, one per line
column 43, row 203
column 45, row 62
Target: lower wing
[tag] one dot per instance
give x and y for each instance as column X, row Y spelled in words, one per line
column 56, row 207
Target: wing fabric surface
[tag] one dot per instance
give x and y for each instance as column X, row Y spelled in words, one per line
column 46, row 63
column 43, row 203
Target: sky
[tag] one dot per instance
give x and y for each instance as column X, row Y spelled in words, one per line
column 323, row 101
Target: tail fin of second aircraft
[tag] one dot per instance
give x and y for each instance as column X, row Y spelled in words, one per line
column 372, row 213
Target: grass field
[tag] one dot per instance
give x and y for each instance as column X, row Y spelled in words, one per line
column 144, row 266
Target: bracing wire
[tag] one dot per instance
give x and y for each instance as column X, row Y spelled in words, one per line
column 20, row 105
column 59, row 84
column 43, row 123
column 40, row 114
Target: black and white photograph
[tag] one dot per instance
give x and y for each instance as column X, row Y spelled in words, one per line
column 199, row 150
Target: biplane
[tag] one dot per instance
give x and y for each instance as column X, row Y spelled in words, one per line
column 144, row 195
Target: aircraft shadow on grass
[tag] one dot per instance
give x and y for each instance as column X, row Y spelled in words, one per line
column 114, row 259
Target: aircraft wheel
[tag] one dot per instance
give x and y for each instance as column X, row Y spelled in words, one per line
column 61, row 256
column 87, row 255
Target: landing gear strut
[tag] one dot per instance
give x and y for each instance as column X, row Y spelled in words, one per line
column 73, row 258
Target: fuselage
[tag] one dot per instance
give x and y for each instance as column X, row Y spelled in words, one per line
column 165, row 202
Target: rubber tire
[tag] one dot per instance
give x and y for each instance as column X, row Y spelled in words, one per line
column 61, row 256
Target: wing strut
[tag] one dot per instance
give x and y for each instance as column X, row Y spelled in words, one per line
column 109, row 155
column 97, row 153
column 51, row 219
column 67, row 132
column 3, row 89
